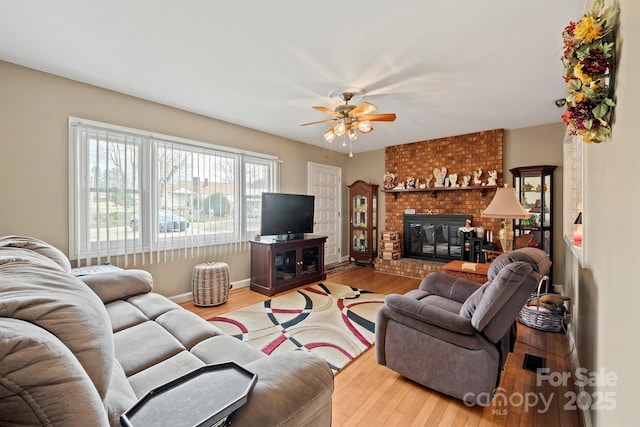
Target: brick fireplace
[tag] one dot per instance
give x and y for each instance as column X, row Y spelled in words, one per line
column 461, row 155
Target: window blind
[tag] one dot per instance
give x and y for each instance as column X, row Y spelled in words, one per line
column 147, row 197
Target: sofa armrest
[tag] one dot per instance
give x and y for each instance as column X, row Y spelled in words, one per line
column 117, row 285
column 42, row 382
column 428, row 313
column 293, row 389
column 447, row 286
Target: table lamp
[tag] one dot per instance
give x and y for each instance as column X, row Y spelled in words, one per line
column 505, row 205
column 577, row 235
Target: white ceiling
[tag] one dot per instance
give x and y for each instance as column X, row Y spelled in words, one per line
column 444, row 67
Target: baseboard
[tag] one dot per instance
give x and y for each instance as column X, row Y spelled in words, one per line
column 584, row 414
column 188, row 296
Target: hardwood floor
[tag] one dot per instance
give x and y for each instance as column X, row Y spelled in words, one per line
column 367, row 394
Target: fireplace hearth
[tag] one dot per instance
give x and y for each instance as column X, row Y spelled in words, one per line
column 436, row 237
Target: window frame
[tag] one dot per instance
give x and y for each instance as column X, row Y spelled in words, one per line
column 148, row 164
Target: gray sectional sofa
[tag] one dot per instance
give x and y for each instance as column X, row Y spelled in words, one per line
column 81, row 352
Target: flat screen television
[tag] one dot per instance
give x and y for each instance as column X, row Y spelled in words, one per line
column 286, row 216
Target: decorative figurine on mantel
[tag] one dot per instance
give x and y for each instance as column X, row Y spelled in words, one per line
column 453, row 180
column 411, row 182
column 425, row 184
column 493, row 178
column 389, row 181
column 476, row 177
column 465, row 180
column 439, row 174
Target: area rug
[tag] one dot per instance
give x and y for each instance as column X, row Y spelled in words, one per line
column 337, row 322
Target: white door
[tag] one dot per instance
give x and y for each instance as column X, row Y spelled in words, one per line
column 324, row 183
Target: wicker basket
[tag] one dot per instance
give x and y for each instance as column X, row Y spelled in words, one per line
column 210, row 283
column 534, row 317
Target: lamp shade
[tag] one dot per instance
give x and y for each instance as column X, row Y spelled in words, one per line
column 505, row 204
column 578, row 219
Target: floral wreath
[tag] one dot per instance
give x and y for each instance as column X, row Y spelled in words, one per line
column 589, row 69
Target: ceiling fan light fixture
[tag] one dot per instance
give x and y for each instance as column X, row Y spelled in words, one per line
column 352, row 134
column 364, row 126
column 349, row 118
column 329, row 136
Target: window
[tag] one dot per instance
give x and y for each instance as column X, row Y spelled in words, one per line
column 134, row 192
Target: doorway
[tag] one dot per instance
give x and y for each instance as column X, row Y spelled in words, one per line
column 324, row 182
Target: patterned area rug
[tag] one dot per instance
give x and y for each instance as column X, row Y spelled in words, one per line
column 337, row 322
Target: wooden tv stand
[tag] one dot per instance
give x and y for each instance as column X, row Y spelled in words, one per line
column 278, row 266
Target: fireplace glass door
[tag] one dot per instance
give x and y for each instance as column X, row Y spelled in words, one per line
column 435, row 237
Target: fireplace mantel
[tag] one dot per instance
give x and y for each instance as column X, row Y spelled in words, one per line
column 434, row 190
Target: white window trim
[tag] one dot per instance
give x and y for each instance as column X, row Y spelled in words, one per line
column 149, row 196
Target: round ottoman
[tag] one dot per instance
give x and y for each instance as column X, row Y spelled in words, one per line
column 210, row 283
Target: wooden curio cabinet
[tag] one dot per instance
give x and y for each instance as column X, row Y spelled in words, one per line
column 534, row 186
column 363, row 220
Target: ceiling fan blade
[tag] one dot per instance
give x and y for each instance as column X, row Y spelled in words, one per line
column 326, row 110
column 363, row 108
column 390, row 117
column 315, row 123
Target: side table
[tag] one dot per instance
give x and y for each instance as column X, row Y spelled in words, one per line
column 205, row 397
column 479, row 275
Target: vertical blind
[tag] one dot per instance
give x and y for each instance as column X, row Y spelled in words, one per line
column 150, row 198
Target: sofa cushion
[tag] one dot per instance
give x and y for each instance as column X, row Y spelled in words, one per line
column 153, row 305
column 144, row 345
column 37, row 246
column 469, row 306
column 512, row 279
column 537, row 258
column 35, row 292
column 11, row 255
column 187, row 327
column 432, row 310
column 116, row 285
column 124, row 315
column 225, row 348
column 163, row 372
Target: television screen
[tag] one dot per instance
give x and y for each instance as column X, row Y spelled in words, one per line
column 286, row 214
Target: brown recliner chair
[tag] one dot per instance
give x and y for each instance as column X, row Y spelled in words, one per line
column 453, row 336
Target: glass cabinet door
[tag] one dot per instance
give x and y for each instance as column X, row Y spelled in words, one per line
column 310, row 257
column 359, row 240
column 363, row 217
column 359, row 210
column 534, row 185
column 286, row 265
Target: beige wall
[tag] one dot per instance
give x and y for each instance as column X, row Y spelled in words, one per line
column 368, row 167
column 606, row 283
column 34, row 196
column 541, row 145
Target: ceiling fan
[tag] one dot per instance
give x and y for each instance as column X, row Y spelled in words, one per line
column 351, row 118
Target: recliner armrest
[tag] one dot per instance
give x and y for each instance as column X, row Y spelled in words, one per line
column 115, row 285
column 429, row 314
column 450, row 287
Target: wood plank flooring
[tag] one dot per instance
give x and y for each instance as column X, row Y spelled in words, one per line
column 367, row 394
